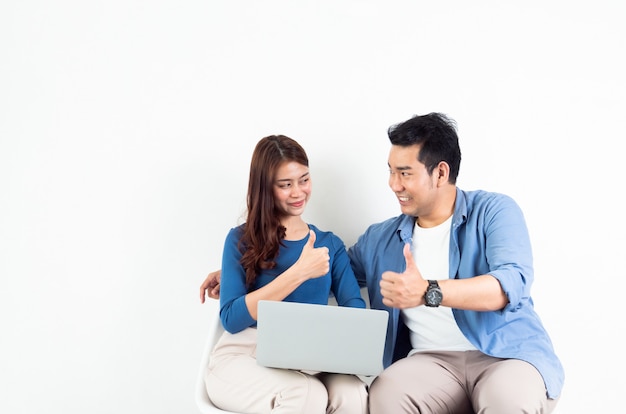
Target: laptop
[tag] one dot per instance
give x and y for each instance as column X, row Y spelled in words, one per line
column 324, row 338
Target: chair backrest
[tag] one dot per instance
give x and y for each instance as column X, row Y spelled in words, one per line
column 215, row 330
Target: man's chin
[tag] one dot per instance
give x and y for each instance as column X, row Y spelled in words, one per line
column 406, row 210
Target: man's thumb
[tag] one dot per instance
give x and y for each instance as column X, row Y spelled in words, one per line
column 408, row 257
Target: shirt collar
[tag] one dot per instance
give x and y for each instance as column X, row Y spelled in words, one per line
column 460, row 209
column 405, row 227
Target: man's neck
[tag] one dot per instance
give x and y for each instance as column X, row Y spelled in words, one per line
column 442, row 211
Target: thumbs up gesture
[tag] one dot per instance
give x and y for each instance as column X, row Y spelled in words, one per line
column 314, row 261
column 406, row 289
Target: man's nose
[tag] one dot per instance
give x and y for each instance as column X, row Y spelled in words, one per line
column 394, row 182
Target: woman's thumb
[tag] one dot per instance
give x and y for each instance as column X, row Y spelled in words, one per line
column 312, row 238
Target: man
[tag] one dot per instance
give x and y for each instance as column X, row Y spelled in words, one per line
column 454, row 271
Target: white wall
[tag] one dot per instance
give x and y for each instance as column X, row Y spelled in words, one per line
column 126, row 129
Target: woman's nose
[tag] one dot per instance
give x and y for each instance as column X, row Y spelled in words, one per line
column 296, row 190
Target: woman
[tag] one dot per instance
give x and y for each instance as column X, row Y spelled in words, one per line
column 276, row 255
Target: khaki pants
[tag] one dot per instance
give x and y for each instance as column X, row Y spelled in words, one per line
column 459, row 383
column 235, row 382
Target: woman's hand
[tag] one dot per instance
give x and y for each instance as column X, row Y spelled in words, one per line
column 313, row 262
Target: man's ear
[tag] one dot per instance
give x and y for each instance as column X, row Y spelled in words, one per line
column 443, row 172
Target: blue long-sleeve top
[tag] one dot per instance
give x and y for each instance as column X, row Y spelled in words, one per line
column 488, row 236
column 340, row 280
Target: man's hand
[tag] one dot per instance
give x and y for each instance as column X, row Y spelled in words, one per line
column 404, row 290
column 211, row 286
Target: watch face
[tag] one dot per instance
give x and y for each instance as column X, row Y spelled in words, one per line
column 433, row 297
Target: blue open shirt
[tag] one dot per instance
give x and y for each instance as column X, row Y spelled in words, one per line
column 488, row 236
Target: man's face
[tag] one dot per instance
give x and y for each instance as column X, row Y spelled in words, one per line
column 415, row 189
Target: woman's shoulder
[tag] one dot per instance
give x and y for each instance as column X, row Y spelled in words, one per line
column 235, row 233
column 324, row 237
column 318, row 231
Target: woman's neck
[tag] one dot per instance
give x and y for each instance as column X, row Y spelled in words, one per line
column 297, row 229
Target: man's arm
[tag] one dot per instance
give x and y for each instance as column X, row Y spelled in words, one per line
column 406, row 290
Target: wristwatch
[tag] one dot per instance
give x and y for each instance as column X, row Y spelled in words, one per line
column 433, row 295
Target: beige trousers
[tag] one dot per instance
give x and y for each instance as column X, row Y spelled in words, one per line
column 235, row 382
column 459, row 383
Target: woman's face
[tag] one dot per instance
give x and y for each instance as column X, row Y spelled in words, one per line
column 292, row 188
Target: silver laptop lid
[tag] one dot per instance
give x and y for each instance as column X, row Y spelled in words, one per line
column 322, row 338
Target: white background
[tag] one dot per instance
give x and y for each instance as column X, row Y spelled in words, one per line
column 126, row 129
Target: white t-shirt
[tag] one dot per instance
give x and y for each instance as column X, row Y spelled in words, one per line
column 433, row 328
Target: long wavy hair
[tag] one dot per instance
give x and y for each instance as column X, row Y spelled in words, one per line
column 262, row 231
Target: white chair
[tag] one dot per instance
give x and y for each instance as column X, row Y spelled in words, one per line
column 215, row 330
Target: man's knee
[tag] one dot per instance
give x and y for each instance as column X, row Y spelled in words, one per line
column 384, row 394
column 392, row 394
column 513, row 386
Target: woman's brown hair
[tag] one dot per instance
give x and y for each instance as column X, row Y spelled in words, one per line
column 262, row 231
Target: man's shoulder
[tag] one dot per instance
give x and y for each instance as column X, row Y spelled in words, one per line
column 390, row 222
column 387, row 229
column 480, row 202
column 382, row 243
column 482, row 197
